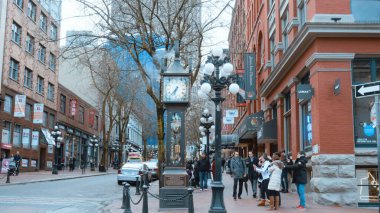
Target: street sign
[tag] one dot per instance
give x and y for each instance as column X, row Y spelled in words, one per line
column 368, row 89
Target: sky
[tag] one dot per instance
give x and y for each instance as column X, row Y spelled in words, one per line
column 72, row 19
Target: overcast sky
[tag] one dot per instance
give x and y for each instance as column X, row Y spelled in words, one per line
column 72, row 19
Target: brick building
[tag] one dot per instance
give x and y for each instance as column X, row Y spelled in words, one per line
column 29, row 77
column 309, row 46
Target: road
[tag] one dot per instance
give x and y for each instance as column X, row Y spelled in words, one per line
column 90, row 194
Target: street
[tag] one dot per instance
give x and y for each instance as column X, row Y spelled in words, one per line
column 88, row 194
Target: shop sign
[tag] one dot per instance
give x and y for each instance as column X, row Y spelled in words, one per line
column 69, row 130
column 35, row 137
column 304, row 91
column 73, row 106
column 25, row 162
column 50, row 149
column 38, row 113
column 20, row 102
column 33, row 163
column 49, row 164
column 232, row 113
column 228, row 120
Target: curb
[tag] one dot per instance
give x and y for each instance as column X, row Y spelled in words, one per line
column 56, row 179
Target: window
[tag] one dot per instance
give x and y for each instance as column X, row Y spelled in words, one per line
column 274, row 111
column 307, row 135
column 368, row 188
column 271, row 43
column 365, row 10
column 26, row 138
column 52, row 61
column 62, row 104
column 96, row 122
column 287, row 124
column 29, row 47
column 43, row 22
column 40, row 85
column 28, row 78
column 284, row 23
column 53, row 32
column 365, row 70
column 42, row 54
column 81, row 114
column 51, row 121
column 6, row 136
column 32, row 10
column 28, row 112
column 16, row 33
column 44, row 118
column 19, row 3
column 302, row 13
column 8, row 103
column 50, row 94
column 13, row 69
column 17, row 136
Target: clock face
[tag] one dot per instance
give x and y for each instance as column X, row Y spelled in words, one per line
column 176, row 89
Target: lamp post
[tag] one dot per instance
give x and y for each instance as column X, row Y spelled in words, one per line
column 207, row 123
column 56, row 134
column 94, row 143
column 217, row 80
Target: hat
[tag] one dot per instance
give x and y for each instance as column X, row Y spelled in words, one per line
column 302, row 153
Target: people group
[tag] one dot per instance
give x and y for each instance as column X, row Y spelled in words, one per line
column 268, row 176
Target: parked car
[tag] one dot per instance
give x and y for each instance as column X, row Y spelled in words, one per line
column 129, row 171
column 153, row 165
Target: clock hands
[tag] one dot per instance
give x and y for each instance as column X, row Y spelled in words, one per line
column 175, row 90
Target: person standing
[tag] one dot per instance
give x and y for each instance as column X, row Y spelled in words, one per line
column 71, row 164
column 252, row 174
column 83, row 166
column 263, row 170
column 213, row 168
column 196, row 173
column 284, row 175
column 223, row 164
column 300, row 177
column 17, row 159
column 74, row 159
column 274, row 185
column 204, row 168
column 238, row 173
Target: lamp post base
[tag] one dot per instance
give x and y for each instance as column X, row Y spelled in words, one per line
column 217, row 202
column 55, row 170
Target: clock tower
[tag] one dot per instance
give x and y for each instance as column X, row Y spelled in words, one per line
column 176, row 87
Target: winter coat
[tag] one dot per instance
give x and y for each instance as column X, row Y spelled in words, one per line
column 299, row 170
column 252, row 174
column 275, row 178
column 238, row 167
column 204, row 165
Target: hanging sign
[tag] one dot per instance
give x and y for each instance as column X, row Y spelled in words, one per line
column 38, row 113
column 232, row 113
column 20, row 102
column 73, row 106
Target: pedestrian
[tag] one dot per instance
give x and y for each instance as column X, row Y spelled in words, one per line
column 263, row 170
column 189, row 170
column 71, row 164
column 300, row 177
column 196, row 173
column 74, row 160
column 238, row 173
column 17, row 159
column 274, row 185
column 252, row 174
column 204, row 169
column 285, row 172
column 83, row 166
column 223, row 164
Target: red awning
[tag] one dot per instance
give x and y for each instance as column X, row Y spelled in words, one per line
column 5, row 146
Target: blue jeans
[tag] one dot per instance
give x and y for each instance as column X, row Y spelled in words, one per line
column 301, row 194
column 203, row 178
column 284, row 180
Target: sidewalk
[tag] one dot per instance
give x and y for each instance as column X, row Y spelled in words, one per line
column 32, row 177
column 202, row 200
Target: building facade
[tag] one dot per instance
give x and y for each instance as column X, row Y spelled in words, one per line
column 308, row 58
column 29, row 80
column 79, row 123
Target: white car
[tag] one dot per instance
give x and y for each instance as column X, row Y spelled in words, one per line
column 153, row 165
column 130, row 171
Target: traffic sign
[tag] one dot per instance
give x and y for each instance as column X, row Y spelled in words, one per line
column 368, row 89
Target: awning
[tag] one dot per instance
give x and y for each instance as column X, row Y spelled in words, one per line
column 268, row 132
column 49, row 139
column 229, row 140
column 251, row 124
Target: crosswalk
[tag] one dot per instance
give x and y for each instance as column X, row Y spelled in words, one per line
column 50, row 201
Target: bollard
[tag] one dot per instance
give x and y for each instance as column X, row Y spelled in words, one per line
column 126, row 202
column 145, row 199
column 191, row 203
column 141, row 182
column 124, row 197
column 137, row 186
column 8, row 175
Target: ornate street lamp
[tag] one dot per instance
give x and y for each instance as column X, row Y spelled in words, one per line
column 217, row 80
column 56, row 134
column 94, row 143
column 207, row 123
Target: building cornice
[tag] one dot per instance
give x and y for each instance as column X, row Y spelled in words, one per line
column 328, row 57
column 305, row 38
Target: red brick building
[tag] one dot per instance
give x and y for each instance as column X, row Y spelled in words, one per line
column 311, row 47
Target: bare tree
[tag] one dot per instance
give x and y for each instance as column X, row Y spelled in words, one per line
column 146, row 30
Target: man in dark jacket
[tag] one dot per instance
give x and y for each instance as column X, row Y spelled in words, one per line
column 252, row 174
column 17, row 159
column 285, row 172
column 204, row 168
column 238, row 173
column 300, row 177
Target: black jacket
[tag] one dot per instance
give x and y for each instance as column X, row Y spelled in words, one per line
column 299, row 170
column 204, row 165
column 249, row 164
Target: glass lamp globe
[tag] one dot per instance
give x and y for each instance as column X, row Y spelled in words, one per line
column 205, row 111
column 203, row 120
column 228, row 68
column 206, row 88
column 210, row 119
column 202, row 133
column 213, row 127
column 217, row 52
column 234, row 88
column 201, row 128
column 209, row 68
